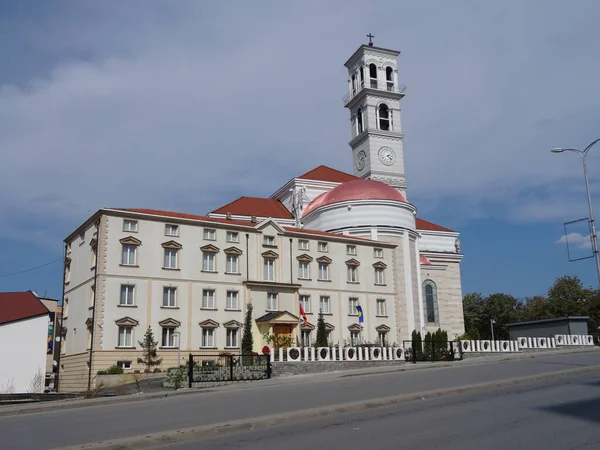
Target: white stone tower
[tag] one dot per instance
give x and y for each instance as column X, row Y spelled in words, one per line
column 374, row 102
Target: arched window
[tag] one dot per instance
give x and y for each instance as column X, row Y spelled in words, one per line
column 373, row 75
column 361, row 77
column 389, row 78
column 430, row 302
column 359, row 121
column 384, row 117
column 353, row 84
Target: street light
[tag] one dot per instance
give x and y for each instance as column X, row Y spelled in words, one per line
column 583, row 154
column 492, row 322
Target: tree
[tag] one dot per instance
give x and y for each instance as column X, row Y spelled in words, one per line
column 472, row 309
column 247, row 339
column 150, row 357
column 321, row 340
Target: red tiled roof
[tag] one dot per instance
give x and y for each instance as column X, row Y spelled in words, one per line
column 429, row 226
column 20, row 305
column 425, row 260
column 255, row 206
column 324, row 173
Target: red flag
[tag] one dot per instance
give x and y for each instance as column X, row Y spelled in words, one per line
column 303, row 314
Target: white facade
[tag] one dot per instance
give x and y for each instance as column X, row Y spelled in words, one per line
column 23, row 355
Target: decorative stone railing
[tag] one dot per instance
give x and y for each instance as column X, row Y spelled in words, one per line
column 559, row 340
column 298, row 354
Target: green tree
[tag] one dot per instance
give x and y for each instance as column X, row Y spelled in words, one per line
column 472, row 309
column 247, row 339
column 149, row 356
column 568, row 297
column 321, row 340
column 503, row 309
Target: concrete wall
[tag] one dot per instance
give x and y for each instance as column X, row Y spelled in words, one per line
column 549, row 329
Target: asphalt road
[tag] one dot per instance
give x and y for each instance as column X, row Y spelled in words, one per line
column 560, row 414
column 77, row 426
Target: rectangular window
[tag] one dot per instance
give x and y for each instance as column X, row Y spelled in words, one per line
column 171, row 230
column 323, row 271
column 379, row 276
column 208, row 337
column 127, row 298
column 170, row 258
column 232, row 236
column 269, row 269
column 352, row 304
column 304, row 270
column 128, row 256
column 382, row 338
column 324, row 304
column 169, row 297
column 168, row 337
column 271, row 302
column 232, row 337
column 303, row 244
column 208, row 261
column 269, row 241
column 130, row 226
column 351, row 250
column 208, row 299
column 354, row 338
column 209, row 234
column 306, row 338
column 305, row 303
column 232, row 300
column 322, row 246
column 352, row 274
column 232, row 264
column 381, row 309
column 378, row 252
column 125, row 365
column 125, row 337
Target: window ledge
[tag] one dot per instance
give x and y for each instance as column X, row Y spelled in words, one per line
column 169, row 307
column 170, row 268
column 381, row 316
column 328, row 314
column 128, row 265
column 320, row 279
column 92, row 268
column 380, row 284
column 269, row 246
column 353, row 314
column 232, row 273
column 353, row 282
column 213, row 347
column 209, row 271
column 125, row 348
column 235, row 310
column 234, row 347
column 167, row 348
column 305, row 279
column 208, row 309
column 126, row 306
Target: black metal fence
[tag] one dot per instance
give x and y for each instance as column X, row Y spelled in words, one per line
column 432, row 351
column 228, row 367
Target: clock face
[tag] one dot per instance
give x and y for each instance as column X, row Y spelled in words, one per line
column 361, row 158
column 387, row 156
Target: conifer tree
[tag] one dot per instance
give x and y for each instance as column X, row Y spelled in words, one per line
column 321, row 340
column 150, row 357
column 247, row 339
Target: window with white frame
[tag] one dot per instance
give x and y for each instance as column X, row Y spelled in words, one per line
column 378, row 253
column 379, row 275
column 129, row 255
column 208, row 337
column 351, row 250
column 271, row 301
column 210, row 234
column 125, row 336
column 169, row 297
column 323, row 271
column 381, row 307
column 168, row 337
column 232, row 264
column 232, row 236
column 232, row 300
column 232, row 337
column 384, row 117
column 430, row 301
column 303, row 244
column 382, row 338
column 130, row 225
column 269, row 241
column 127, row 295
column 304, row 270
column 324, row 304
column 125, row 365
column 352, row 304
column 305, row 338
column 170, row 258
column 352, row 274
column 269, row 269
column 322, row 246
column 208, row 299
column 208, row 261
column 305, row 303
column 171, row 230
column 355, row 337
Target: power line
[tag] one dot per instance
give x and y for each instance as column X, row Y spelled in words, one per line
column 29, row 270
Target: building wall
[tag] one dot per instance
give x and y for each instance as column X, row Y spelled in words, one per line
column 25, row 360
column 549, row 329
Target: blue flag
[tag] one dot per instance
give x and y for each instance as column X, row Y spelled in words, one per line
column 361, row 319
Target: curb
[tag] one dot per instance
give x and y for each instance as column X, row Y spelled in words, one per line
column 222, row 428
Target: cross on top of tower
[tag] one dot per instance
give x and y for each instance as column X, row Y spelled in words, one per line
column 370, row 36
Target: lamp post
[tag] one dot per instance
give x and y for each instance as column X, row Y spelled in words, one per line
column 594, row 236
column 492, row 322
column 178, row 334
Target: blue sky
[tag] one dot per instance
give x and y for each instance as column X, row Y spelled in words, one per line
column 97, row 99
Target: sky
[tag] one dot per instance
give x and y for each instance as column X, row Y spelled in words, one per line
column 187, row 105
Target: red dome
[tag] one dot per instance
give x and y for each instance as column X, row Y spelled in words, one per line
column 360, row 189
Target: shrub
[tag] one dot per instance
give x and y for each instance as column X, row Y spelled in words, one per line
column 112, row 370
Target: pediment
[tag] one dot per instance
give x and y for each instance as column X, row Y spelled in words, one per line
column 170, row 323
column 172, row 244
column 279, row 317
column 126, row 322
column 270, row 254
column 94, row 242
column 307, row 326
column 382, row 328
column 353, row 262
column 379, row 265
column 304, row 257
column 88, row 322
column 324, row 260
column 270, row 226
column 232, row 251
column 232, row 324
column 329, row 327
column 130, row 240
column 354, row 327
column 210, row 248
column 209, row 324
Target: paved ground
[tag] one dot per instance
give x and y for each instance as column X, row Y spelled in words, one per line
column 76, row 426
column 550, row 415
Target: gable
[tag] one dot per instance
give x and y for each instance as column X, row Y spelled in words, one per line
column 255, row 206
column 172, row 244
column 324, row 173
column 429, row 226
column 19, row 306
column 170, row 322
column 130, row 240
column 126, row 322
column 269, row 228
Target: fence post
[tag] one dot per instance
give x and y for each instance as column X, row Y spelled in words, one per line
column 230, row 367
column 190, row 371
column 269, row 367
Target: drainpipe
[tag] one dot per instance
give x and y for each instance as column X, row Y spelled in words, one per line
column 247, row 259
column 62, row 316
column 291, row 264
column 89, row 385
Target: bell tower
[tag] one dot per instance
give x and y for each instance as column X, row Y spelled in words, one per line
column 374, row 102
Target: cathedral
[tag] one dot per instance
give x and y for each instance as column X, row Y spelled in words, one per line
column 349, row 246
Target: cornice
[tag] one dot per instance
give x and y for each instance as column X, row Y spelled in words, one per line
column 385, row 135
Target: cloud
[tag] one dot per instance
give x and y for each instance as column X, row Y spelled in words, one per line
column 577, row 240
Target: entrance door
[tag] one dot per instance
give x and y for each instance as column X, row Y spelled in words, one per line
column 283, row 330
